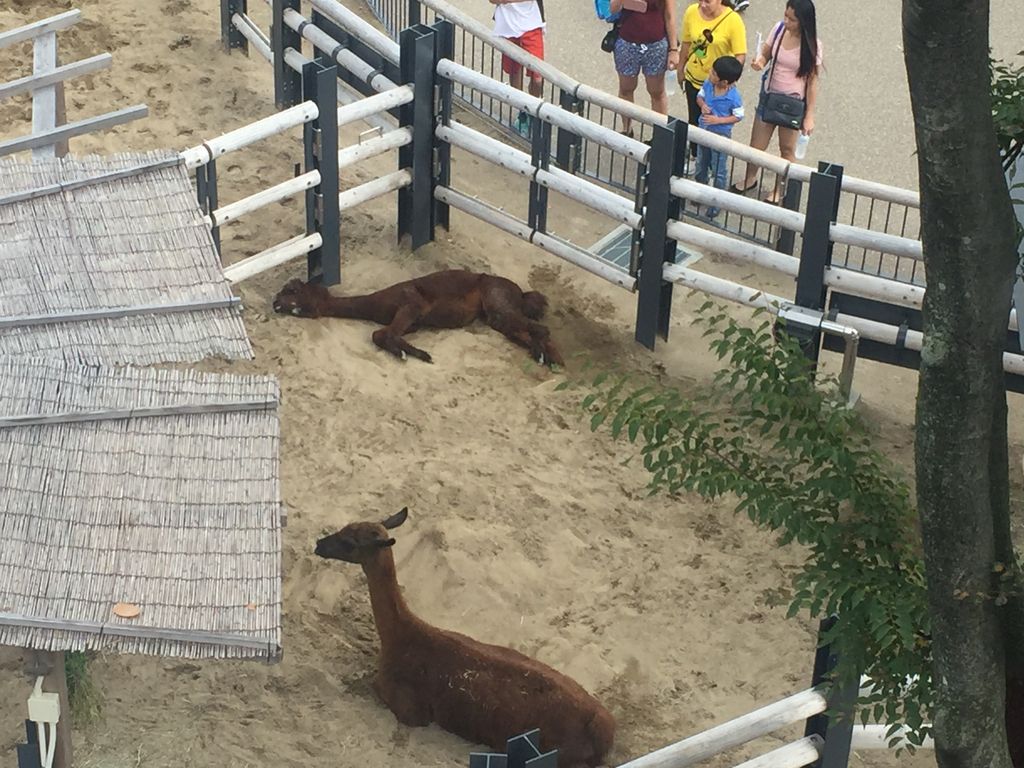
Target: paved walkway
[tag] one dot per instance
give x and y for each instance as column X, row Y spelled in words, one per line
column 864, row 119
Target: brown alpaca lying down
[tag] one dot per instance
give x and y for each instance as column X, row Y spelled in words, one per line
column 452, row 298
column 483, row 693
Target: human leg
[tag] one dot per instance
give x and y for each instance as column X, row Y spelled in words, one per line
column 703, row 164
column 787, row 148
column 627, row 66
column 692, row 110
column 718, row 168
column 533, row 43
column 513, row 69
column 653, row 62
column 760, row 136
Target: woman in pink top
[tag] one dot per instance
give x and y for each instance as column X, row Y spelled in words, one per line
column 796, row 64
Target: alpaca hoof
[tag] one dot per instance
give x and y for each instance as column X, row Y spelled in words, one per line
column 540, row 359
column 402, row 355
column 296, row 311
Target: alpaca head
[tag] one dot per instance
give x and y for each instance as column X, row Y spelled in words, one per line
column 360, row 542
column 302, row 299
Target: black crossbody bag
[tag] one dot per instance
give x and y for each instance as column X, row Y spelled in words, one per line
column 778, row 108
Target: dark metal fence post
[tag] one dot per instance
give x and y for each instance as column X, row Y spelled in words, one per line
column 229, row 36
column 415, row 14
column 540, row 156
column 320, row 139
column 445, row 49
column 570, row 146
column 791, row 201
column 206, row 195
column 816, row 253
column 814, row 257
column 415, row 202
column 835, row 726
column 28, row 753
column 654, row 295
column 287, row 82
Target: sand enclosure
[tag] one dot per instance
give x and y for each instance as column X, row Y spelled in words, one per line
column 525, row 529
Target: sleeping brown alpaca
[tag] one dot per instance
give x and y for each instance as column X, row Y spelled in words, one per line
column 452, row 298
column 483, row 693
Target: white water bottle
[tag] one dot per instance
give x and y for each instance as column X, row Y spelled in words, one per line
column 801, row 146
column 671, row 82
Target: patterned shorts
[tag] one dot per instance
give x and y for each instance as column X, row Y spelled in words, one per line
column 630, row 58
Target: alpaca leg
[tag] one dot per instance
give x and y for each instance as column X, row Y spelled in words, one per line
column 551, row 354
column 514, row 315
column 389, row 338
column 403, row 702
column 527, row 333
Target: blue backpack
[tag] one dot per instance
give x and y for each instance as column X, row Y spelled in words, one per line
column 603, row 8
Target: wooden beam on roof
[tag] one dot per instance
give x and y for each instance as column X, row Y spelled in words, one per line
column 183, row 409
column 139, row 632
column 113, row 313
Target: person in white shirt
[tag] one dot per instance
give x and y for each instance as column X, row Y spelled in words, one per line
column 521, row 22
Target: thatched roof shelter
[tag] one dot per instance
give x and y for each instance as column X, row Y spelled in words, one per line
column 107, row 259
column 155, row 489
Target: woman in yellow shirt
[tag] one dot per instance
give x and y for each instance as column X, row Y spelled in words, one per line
column 711, row 28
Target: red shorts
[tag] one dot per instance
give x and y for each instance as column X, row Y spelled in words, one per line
column 531, row 42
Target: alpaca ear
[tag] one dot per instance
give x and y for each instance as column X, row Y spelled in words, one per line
column 396, row 519
column 385, row 543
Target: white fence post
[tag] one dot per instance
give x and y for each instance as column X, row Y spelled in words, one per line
column 47, row 102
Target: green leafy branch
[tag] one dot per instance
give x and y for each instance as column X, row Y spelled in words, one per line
column 1008, row 107
column 777, row 438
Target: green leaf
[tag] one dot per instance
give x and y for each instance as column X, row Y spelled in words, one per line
column 771, row 435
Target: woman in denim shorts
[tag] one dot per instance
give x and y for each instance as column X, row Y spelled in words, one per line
column 647, row 42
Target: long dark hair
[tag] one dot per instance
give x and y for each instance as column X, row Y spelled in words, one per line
column 804, row 12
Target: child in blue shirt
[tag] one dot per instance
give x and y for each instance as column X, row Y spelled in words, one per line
column 721, row 108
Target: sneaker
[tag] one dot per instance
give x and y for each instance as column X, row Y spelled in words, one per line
column 742, row 5
column 711, row 212
column 523, row 125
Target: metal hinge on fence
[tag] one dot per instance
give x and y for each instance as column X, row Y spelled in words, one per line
column 806, row 324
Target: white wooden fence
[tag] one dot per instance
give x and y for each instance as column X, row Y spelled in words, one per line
column 762, row 722
column 50, row 130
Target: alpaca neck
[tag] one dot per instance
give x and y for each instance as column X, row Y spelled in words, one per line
column 358, row 307
column 390, row 613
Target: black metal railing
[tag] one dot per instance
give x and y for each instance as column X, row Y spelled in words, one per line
column 601, row 164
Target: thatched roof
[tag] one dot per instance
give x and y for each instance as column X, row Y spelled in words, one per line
column 156, row 488
column 121, row 233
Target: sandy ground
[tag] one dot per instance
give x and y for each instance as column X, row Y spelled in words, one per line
column 525, row 528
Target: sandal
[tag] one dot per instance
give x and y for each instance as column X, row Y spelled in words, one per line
column 770, row 200
column 628, row 133
column 736, row 189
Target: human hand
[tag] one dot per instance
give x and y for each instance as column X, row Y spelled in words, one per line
column 808, row 125
column 705, row 109
column 758, row 64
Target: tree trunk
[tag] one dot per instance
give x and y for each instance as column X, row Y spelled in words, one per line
column 961, row 451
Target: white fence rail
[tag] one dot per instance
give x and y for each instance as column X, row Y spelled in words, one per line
column 50, row 131
column 753, row 725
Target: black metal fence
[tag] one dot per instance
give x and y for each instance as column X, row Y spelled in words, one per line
column 620, row 173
